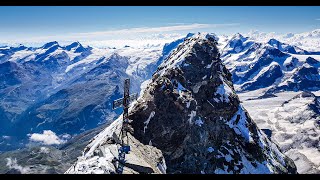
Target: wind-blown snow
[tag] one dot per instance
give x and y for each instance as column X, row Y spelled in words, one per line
column 228, row 158
column 144, row 85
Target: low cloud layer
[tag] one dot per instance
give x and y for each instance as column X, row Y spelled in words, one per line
column 161, row 29
column 12, row 164
column 48, row 137
column 142, row 33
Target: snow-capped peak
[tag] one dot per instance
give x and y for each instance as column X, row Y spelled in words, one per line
column 75, row 47
column 189, row 35
column 274, row 42
column 177, row 57
column 204, row 35
column 239, row 36
column 19, row 47
column 50, row 44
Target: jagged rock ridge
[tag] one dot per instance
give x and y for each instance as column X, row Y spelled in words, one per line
column 191, row 116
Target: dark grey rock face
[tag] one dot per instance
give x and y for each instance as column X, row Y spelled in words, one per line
column 191, row 112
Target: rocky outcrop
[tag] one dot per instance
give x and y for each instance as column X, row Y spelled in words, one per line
column 191, row 117
column 100, row 155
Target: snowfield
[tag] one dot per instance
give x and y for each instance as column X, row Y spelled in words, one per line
column 293, row 125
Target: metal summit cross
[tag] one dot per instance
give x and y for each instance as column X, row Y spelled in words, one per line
column 124, row 102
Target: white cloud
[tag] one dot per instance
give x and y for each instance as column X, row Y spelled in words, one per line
column 47, row 137
column 160, row 29
column 141, row 33
column 318, row 19
column 12, row 164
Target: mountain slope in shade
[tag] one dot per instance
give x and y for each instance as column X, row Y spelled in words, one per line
column 189, row 116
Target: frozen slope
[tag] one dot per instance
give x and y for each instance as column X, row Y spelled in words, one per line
column 293, row 118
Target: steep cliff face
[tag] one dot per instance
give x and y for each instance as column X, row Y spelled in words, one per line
column 190, row 114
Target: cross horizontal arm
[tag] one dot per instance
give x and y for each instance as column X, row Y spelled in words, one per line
column 119, row 102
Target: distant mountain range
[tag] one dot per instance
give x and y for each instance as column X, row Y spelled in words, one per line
column 69, row 89
column 273, row 64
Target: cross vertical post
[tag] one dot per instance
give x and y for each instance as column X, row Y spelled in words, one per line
column 125, row 110
column 124, row 102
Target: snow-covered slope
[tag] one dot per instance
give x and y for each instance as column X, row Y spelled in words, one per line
column 264, row 65
column 190, row 114
column 293, row 118
column 273, row 64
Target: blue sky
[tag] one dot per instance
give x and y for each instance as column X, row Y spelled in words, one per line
column 84, row 23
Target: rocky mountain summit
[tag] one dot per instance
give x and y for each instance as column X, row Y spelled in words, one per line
column 188, row 119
